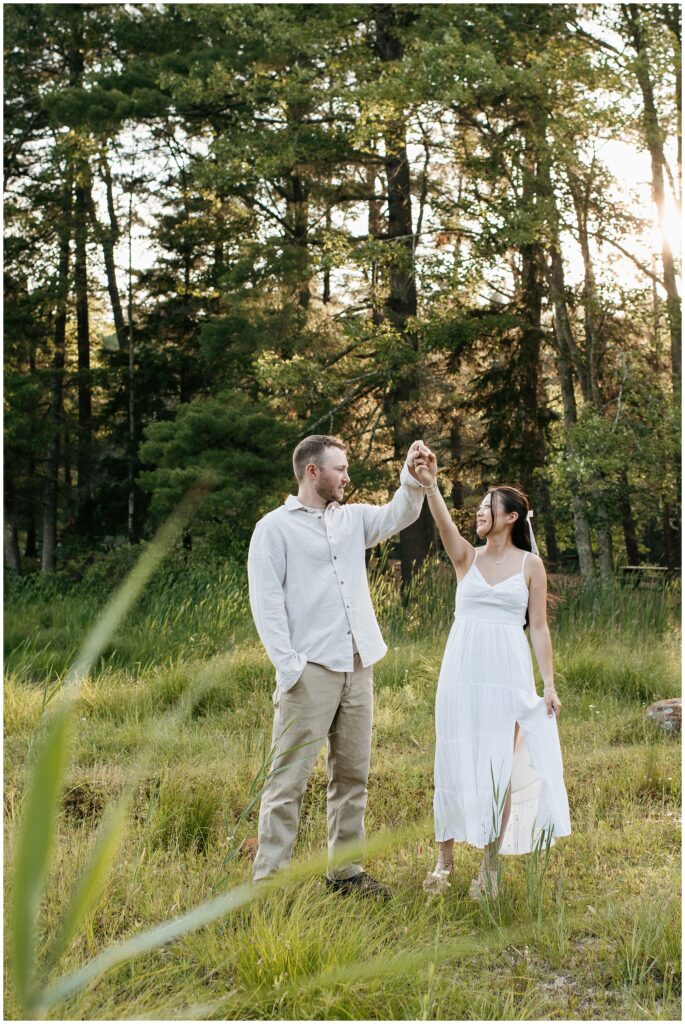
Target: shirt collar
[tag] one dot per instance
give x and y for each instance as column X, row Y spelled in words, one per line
column 292, row 503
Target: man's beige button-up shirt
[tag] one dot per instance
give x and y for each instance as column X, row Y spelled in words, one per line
column 309, row 591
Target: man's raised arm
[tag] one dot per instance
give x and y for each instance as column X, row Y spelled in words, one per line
column 403, row 509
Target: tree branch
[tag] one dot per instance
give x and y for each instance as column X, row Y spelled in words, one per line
column 645, row 270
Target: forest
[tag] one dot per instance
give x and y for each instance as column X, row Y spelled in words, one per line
column 228, row 226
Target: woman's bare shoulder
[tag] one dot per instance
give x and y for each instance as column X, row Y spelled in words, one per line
column 535, row 566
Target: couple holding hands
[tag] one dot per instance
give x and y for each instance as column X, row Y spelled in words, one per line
column 498, row 772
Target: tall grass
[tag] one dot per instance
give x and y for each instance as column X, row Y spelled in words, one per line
column 189, row 611
column 614, row 607
column 196, row 608
column 143, row 824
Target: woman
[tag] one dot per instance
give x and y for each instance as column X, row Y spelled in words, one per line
column 498, row 772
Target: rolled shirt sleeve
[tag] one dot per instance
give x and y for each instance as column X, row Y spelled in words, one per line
column 403, row 509
column 266, row 569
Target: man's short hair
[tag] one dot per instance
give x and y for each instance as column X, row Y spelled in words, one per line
column 311, row 448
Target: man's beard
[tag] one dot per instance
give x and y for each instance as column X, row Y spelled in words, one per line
column 327, row 491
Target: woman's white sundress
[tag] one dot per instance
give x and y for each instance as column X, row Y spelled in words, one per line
column 486, row 686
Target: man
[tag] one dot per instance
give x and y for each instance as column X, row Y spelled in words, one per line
column 310, row 600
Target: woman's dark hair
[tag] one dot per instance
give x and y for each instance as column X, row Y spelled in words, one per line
column 513, row 500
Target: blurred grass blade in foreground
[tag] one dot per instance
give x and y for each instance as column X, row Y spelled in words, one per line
column 36, row 839
column 93, row 876
column 39, row 822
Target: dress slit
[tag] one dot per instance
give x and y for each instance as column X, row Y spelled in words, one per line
column 526, row 788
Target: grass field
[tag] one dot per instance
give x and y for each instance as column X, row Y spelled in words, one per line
column 182, row 697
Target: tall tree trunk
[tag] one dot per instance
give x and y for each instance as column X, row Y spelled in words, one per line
column 632, row 18
column 564, row 339
column 85, row 403
column 581, row 526
column 66, row 466
column 672, row 15
column 299, row 218
column 592, row 358
column 653, row 140
column 666, row 525
column 186, row 375
column 401, row 403
column 31, row 547
column 80, row 170
column 627, row 519
column 548, row 525
column 534, row 446
column 456, row 453
column 11, row 554
column 296, row 195
column 133, row 491
column 568, row 354
column 376, row 229
column 594, row 350
column 529, row 308
column 604, row 539
column 50, row 489
column 328, row 224
column 108, row 237
column 12, row 557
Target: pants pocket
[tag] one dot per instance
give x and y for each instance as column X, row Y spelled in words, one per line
column 279, row 692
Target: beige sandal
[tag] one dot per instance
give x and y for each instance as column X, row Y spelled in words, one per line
column 437, row 882
column 484, row 885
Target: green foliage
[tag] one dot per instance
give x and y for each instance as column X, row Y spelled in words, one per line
column 250, row 146
column 232, row 444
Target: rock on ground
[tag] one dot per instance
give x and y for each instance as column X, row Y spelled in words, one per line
column 667, row 714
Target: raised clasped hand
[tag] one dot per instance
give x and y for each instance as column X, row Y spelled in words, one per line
column 422, row 463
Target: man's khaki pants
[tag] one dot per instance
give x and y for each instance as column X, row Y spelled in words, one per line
column 338, row 707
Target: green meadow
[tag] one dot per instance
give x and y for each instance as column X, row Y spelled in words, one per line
column 178, row 709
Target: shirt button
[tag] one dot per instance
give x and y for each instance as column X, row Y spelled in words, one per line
column 341, row 582
column 334, row 557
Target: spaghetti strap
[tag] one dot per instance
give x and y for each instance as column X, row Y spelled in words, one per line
column 525, row 556
column 475, row 555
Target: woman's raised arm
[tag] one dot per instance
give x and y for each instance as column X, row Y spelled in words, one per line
column 456, row 546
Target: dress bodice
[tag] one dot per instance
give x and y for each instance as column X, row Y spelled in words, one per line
column 504, row 603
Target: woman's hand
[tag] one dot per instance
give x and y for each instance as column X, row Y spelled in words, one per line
column 426, row 460
column 423, row 473
column 422, row 464
column 552, row 702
